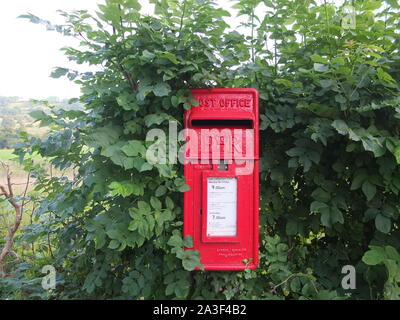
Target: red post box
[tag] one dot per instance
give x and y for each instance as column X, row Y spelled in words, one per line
column 221, row 166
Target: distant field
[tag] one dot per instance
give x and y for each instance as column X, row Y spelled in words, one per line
column 6, row 154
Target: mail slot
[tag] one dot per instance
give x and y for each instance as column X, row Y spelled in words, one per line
column 221, row 166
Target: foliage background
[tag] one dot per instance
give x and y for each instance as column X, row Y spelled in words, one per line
column 330, row 179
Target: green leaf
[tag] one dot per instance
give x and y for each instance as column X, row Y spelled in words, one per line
column 59, row 72
column 132, row 4
column 161, row 89
column 326, row 217
column 392, row 253
column 382, row 223
column 385, row 77
column 316, row 206
column 339, row 60
column 147, row 55
column 327, row 83
column 160, row 191
column 151, row 119
column 370, row 213
column 145, row 167
column 126, row 188
column 164, row 170
column 284, row 82
column 336, row 215
column 127, row 101
column 38, row 115
column 114, row 244
column 317, row 58
column 358, row 180
column 340, row 99
column 169, row 203
column 321, row 195
column 320, row 67
column 369, row 190
column 155, row 203
column 183, row 188
column 168, row 55
column 374, row 145
column 134, row 148
column 104, row 136
column 175, row 241
column 372, row 257
column 340, row 127
column 191, row 259
column 396, row 153
column 188, row 242
column 293, row 227
column 144, row 207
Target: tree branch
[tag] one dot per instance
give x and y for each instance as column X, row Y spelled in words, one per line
column 9, row 195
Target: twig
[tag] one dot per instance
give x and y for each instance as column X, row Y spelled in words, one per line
column 9, row 195
column 307, row 276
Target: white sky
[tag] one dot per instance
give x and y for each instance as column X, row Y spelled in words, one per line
column 28, row 53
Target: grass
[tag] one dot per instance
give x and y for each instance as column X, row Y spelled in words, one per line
column 19, row 180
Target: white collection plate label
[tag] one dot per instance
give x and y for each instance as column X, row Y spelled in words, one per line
column 221, row 206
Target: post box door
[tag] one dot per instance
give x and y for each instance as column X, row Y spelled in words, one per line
column 221, row 207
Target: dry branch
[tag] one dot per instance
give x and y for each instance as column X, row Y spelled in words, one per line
column 8, row 193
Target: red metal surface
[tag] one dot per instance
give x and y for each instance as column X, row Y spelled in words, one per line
column 240, row 108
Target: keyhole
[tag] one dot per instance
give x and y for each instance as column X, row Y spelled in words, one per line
column 222, row 166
